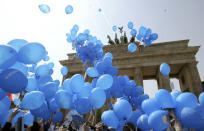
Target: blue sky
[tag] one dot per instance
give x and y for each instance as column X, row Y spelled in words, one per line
column 171, row 19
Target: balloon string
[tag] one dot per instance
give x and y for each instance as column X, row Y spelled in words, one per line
column 105, row 17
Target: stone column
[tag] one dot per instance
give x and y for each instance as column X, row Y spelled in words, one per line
column 163, row 81
column 138, row 76
column 184, row 79
column 189, row 79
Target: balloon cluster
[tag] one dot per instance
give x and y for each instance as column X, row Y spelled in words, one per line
column 21, row 72
column 150, row 112
column 145, row 35
column 88, row 48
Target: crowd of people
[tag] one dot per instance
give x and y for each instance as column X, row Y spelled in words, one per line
column 72, row 125
column 50, row 126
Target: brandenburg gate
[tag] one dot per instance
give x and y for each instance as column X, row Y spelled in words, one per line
column 144, row 64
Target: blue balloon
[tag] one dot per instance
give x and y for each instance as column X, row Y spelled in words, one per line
column 5, row 104
column 133, row 32
column 8, row 56
column 108, row 94
column 57, row 82
column 46, row 116
column 53, row 105
column 17, row 43
column 110, row 119
column 13, row 81
column 63, row 99
column 86, row 90
column 32, row 100
column 108, row 54
column 200, row 109
column 137, row 101
column 122, row 109
column 87, row 32
column 132, row 47
column 31, row 53
column 113, row 71
column 130, row 25
column 42, row 111
column 132, row 83
column 42, row 71
column 118, row 86
column 21, row 67
column 57, row 117
column 128, row 91
column 38, row 112
column 66, row 83
column 156, row 121
column 69, row 9
column 150, row 105
column 140, row 90
column 99, row 10
column 97, row 97
column 191, row 119
column 175, row 94
column 50, row 65
column 139, row 37
column 165, row 69
column 73, row 33
column 104, row 82
column 165, row 99
column 69, row 38
column 142, row 98
column 142, row 31
column 82, row 37
column 201, row 98
column 2, row 94
column 43, row 80
column 147, row 42
column 28, row 119
column 64, row 70
column 142, row 123
column 83, row 105
column 114, row 28
column 134, row 117
column 186, row 99
column 92, row 72
column 100, row 67
column 46, row 58
column 44, row 8
column 148, row 33
column 49, row 89
column 76, row 27
column 154, row 36
column 77, row 83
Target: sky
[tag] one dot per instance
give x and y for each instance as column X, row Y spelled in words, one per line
column 171, row 19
